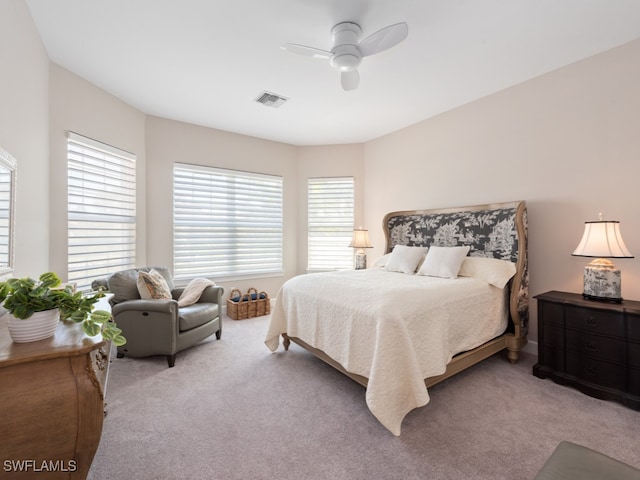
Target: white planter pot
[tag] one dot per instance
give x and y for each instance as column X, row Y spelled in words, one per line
column 38, row 326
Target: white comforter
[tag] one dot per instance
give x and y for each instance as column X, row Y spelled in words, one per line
column 395, row 329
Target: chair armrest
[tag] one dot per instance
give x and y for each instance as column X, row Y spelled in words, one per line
column 139, row 317
column 160, row 306
column 212, row 294
column 176, row 292
column 100, row 284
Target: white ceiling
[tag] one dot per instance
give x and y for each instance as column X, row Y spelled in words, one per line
column 205, row 61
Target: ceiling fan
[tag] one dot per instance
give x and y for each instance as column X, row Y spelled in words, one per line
column 348, row 51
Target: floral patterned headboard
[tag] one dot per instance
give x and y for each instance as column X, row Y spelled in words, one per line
column 497, row 230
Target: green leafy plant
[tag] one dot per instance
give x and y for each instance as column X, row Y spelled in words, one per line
column 22, row 297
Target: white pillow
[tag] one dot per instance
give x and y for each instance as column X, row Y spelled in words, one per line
column 381, row 262
column 492, row 270
column 405, row 259
column 443, row 261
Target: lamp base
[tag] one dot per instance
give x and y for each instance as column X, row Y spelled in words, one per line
column 360, row 260
column 602, row 281
column 602, row 299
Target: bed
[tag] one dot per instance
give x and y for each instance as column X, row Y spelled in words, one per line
column 399, row 330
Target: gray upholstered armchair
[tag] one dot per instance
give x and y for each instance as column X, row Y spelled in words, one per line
column 160, row 327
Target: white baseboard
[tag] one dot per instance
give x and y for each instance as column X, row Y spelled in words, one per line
column 531, row 347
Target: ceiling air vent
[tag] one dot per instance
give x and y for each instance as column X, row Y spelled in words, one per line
column 271, row 99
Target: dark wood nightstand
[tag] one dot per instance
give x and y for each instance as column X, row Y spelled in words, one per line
column 593, row 346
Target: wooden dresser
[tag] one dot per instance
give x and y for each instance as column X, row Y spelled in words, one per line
column 593, row 346
column 51, row 403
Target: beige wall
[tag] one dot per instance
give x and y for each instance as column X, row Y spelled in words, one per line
column 328, row 161
column 24, row 131
column 566, row 142
column 170, row 141
column 79, row 106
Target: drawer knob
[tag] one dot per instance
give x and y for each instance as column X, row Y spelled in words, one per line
column 592, row 322
column 591, row 346
column 591, row 370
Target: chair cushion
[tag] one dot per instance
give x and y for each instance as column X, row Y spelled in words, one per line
column 197, row 314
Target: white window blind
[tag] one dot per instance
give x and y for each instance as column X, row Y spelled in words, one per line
column 331, row 218
column 227, row 223
column 5, row 215
column 101, row 209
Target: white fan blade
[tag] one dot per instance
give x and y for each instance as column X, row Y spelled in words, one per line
column 350, row 80
column 384, row 39
column 307, row 51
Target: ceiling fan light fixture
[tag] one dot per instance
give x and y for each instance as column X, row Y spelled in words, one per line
column 348, row 50
column 346, row 58
column 345, row 63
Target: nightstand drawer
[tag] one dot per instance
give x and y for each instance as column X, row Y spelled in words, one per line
column 551, row 357
column 633, row 328
column 634, row 354
column 551, row 313
column 553, row 336
column 603, row 348
column 596, row 372
column 595, row 321
column 633, row 386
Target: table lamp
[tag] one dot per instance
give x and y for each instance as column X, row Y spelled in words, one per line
column 602, row 240
column 359, row 241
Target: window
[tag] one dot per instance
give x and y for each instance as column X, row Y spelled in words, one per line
column 7, row 206
column 227, row 223
column 101, row 209
column 331, row 218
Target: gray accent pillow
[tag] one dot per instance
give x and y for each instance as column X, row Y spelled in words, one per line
column 124, row 286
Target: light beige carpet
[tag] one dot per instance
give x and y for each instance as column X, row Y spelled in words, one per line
column 230, row 409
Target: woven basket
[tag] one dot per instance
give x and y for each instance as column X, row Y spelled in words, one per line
column 237, row 309
column 252, row 304
column 264, row 304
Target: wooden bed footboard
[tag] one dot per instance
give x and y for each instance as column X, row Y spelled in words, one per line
column 456, row 365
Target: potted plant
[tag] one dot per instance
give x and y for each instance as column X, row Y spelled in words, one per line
column 45, row 300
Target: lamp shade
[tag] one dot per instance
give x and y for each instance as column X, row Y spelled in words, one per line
column 602, row 239
column 360, row 238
